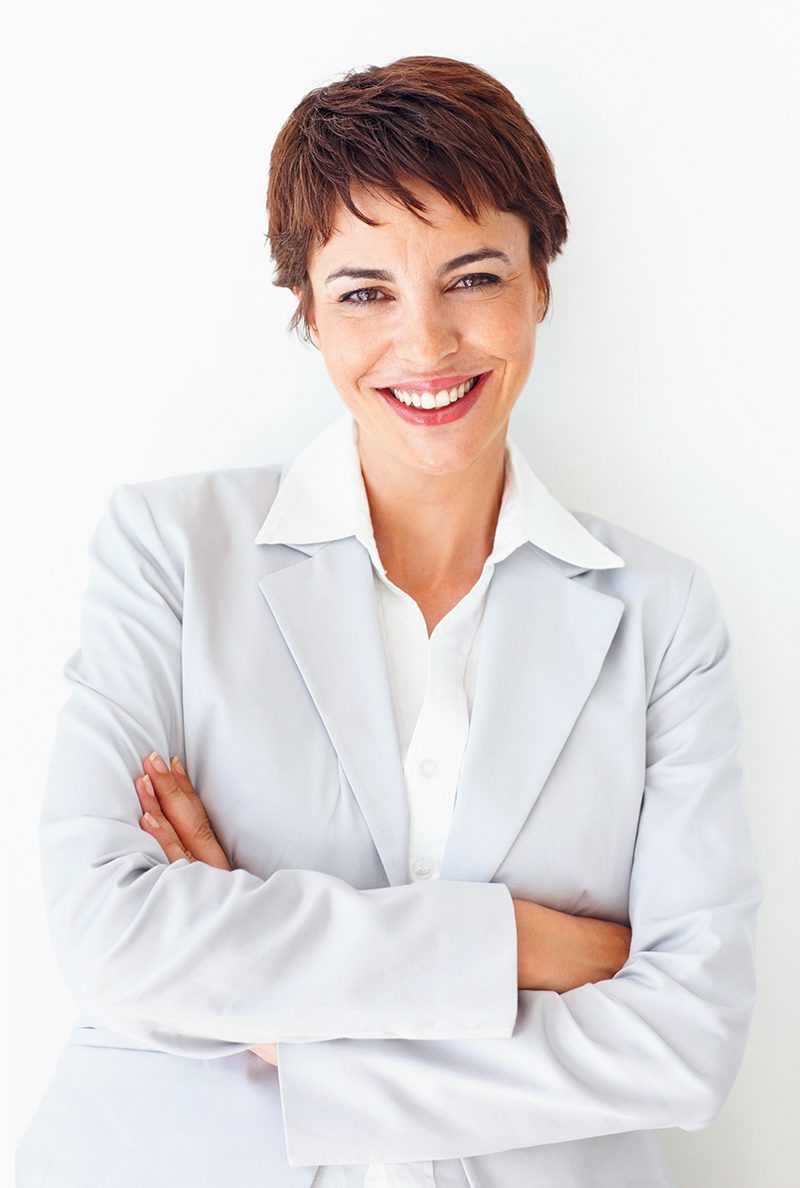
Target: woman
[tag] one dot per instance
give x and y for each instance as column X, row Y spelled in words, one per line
column 460, row 764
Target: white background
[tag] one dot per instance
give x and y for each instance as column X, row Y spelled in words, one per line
column 147, row 339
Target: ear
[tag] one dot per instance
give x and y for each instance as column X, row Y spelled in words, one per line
column 312, row 329
column 539, row 298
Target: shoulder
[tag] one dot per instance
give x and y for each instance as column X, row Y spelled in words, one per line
column 199, row 522
column 216, row 504
column 222, row 488
column 644, row 558
column 660, row 586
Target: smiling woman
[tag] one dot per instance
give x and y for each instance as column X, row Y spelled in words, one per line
column 455, row 886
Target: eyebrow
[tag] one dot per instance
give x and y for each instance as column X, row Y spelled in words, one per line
column 381, row 274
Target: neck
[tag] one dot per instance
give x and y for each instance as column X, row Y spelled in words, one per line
column 433, row 529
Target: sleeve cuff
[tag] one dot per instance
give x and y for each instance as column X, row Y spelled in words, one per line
column 475, row 996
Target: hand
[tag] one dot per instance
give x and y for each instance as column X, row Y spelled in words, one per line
column 179, row 823
column 558, row 951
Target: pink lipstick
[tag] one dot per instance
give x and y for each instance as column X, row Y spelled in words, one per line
column 436, row 416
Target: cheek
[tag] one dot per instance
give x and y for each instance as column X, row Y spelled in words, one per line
column 348, row 345
column 507, row 331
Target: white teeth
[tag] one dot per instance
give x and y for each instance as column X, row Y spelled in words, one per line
column 435, row 399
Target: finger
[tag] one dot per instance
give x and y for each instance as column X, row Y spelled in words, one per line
column 156, row 824
column 181, row 805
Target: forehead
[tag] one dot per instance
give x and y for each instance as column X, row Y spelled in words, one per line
column 398, row 229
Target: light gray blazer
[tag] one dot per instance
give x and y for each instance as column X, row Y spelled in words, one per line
column 600, row 778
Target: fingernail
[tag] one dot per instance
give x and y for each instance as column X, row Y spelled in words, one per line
column 157, row 761
column 147, row 784
column 176, row 763
column 151, row 820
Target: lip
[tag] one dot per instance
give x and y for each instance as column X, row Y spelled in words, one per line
column 436, row 416
column 431, row 383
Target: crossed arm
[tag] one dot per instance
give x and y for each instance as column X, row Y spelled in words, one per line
column 555, row 950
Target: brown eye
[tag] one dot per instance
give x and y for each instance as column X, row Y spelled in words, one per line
column 345, row 299
column 474, row 277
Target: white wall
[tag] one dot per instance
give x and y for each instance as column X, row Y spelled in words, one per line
column 147, row 339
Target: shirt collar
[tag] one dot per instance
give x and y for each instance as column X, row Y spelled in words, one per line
column 322, row 498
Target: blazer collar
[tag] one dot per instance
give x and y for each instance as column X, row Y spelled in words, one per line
column 322, row 498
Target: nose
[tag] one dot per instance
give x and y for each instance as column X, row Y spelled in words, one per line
column 425, row 334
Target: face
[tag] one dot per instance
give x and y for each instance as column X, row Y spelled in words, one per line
column 399, row 306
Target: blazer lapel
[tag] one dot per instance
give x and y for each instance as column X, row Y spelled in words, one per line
column 543, row 641
column 327, row 609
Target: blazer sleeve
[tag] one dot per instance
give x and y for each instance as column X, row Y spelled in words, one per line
column 657, row 1045
column 203, row 962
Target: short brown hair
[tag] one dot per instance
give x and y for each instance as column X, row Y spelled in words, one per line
column 437, row 120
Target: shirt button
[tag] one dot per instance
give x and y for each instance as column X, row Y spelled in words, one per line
column 427, row 768
column 423, row 868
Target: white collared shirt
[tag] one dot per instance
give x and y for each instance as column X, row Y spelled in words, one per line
column 322, row 497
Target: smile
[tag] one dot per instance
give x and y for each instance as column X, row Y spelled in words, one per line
column 436, row 408
column 434, row 399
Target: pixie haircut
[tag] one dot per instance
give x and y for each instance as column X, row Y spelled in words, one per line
column 431, row 119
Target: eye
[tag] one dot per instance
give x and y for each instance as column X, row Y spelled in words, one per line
column 345, row 299
column 474, row 277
